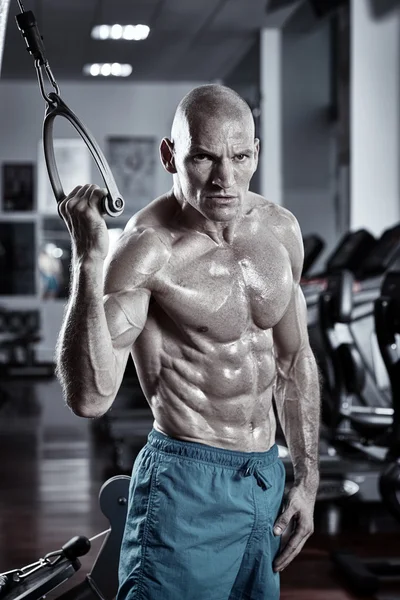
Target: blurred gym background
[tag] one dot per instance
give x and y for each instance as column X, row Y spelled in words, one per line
column 322, row 78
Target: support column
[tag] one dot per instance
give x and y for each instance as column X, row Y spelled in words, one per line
column 375, row 121
column 4, row 6
column 271, row 116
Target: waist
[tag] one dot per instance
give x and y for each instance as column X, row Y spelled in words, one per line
column 211, row 454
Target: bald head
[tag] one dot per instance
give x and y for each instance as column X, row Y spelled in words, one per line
column 212, row 152
column 209, row 102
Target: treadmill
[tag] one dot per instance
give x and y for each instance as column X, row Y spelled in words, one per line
column 373, row 575
column 354, row 444
column 368, row 276
column 344, row 473
column 349, row 254
column 361, row 254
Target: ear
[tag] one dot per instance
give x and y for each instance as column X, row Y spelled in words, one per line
column 167, row 155
column 256, row 151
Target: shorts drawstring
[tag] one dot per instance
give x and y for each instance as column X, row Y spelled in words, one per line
column 251, row 468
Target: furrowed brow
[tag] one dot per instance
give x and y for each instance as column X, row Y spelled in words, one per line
column 200, row 150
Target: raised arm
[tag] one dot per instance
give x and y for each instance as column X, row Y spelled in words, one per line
column 104, row 316
column 297, row 398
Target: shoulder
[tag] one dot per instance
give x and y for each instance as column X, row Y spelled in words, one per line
column 284, row 226
column 141, row 251
column 157, row 215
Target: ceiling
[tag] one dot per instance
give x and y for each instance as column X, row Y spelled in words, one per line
column 192, row 40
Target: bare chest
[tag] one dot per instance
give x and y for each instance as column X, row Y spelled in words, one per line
column 225, row 291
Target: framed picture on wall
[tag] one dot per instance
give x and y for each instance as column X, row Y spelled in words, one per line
column 74, row 163
column 133, row 163
column 18, row 187
column 17, row 258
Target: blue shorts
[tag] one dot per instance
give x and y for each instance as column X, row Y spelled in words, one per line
column 199, row 523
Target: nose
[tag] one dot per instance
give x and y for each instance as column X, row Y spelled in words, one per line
column 223, row 174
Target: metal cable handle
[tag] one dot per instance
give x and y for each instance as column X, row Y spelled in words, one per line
column 113, row 203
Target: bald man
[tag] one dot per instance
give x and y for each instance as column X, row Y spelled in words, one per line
column 203, row 290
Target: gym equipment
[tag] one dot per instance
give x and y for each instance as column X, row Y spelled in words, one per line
column 360, row 253
column 360, row 409
column 357, row 412
column 38, row 579
column 349, row 254
column 113, row 203
column 387, row 323
column 19, row 335
column 313, row 246
column 351, row 251
column 365, row 290
column 367, row 576
column 385, row 253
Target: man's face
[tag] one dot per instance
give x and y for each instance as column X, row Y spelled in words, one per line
column 215, row 158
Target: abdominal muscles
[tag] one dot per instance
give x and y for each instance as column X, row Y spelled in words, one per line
column 201, row 390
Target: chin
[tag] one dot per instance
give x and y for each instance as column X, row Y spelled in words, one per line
column 220, row 216
column 222, row 213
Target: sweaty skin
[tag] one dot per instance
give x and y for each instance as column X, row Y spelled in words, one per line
column 205, row 358
column 203, row 290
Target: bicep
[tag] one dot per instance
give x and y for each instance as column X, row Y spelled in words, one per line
column 126, row 315
column 126, row 287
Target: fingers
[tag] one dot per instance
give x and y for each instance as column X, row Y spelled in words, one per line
column 73, row 196
column 80, row 199
column 297, row 513
column 293, row 547
column 96, row 196
column 74, row 192
column 283, row 521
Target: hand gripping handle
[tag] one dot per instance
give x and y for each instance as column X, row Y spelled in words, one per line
column 113, row 203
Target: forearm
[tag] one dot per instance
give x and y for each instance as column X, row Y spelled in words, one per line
column 297, row 397
column 84, row 356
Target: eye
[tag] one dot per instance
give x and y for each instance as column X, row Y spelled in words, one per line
column 201, row 157
column 241, row 157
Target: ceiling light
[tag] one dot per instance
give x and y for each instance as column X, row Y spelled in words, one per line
column 103, row 32
column 129, row 32
column 94, row 70
column 136, row 32
column 116, row 69
column 118, row 32
column 107, row 69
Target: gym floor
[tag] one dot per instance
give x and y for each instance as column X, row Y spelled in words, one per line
column 51, row 471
